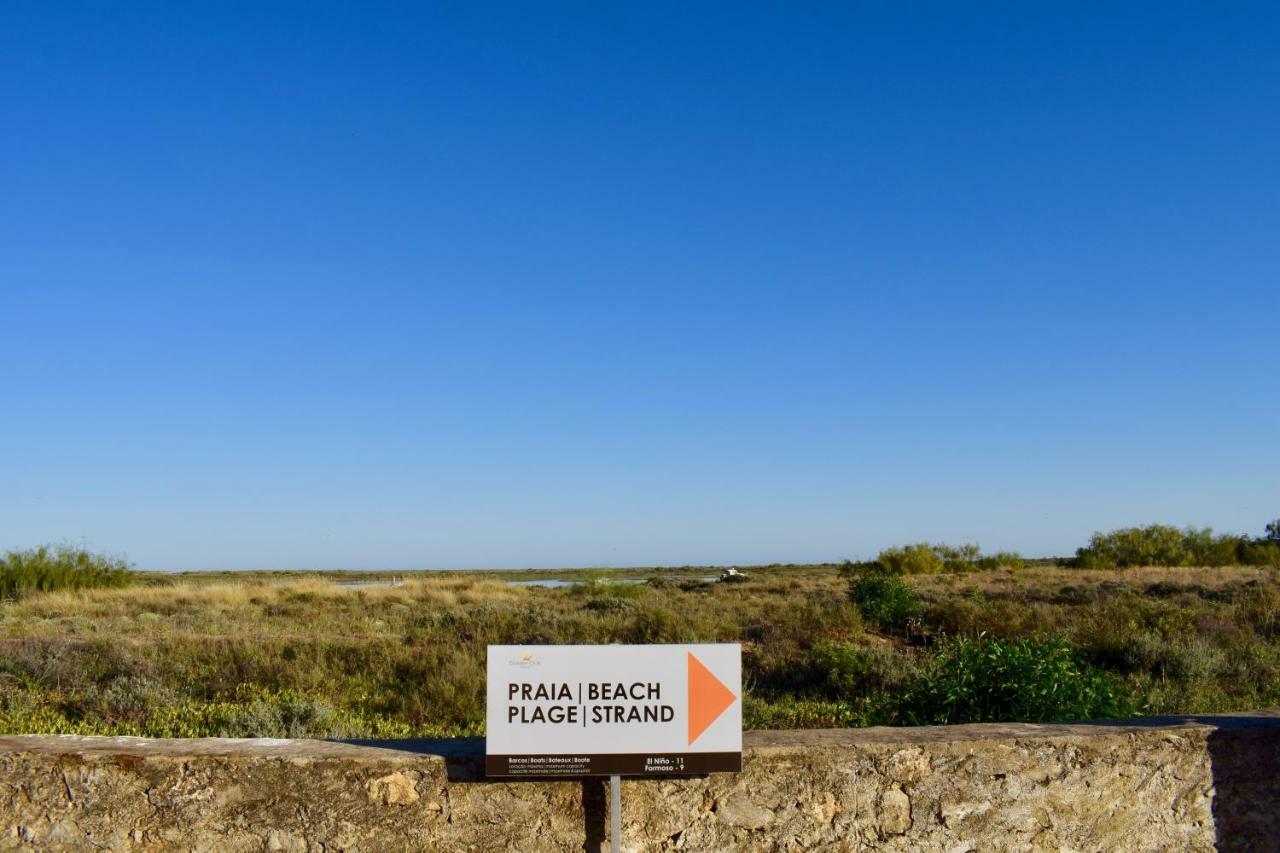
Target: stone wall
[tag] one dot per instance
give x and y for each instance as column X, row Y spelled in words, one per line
column 1154, row 784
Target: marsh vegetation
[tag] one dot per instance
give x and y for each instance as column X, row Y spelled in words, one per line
column 284, row 654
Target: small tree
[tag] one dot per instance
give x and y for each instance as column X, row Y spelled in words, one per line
column 1273, row 531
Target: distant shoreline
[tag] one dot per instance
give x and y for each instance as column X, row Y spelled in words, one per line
column 503, row 574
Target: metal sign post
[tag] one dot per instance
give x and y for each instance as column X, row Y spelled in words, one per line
column 615, row 813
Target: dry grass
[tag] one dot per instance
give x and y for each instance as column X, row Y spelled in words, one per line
column 240, row 600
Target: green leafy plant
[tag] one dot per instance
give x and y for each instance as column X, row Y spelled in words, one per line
column 987, row 679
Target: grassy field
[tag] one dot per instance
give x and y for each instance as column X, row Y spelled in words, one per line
column 292, row 654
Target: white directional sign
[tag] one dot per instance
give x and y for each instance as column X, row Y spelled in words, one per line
column 608, row 710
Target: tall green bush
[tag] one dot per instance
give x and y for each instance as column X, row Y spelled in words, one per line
column 918, row 559
column 50, row 568
column 1164, row 545
column 924, row 558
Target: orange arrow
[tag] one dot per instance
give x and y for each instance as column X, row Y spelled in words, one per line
column 708, row 698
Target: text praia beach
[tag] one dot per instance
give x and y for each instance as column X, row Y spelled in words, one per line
column 587, row 703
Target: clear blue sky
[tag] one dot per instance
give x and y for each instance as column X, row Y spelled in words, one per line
column 403, row 285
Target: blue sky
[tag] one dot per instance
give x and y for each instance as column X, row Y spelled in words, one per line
column 417, row 285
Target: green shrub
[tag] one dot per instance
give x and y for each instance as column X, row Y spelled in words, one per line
column 976, row 613
column 986, row 679
column 1001, row 560
column 883, row 597
column 47, row 568
column 1185, row 659
column 1154, row 545
column 842, row 670
column 132, row 699
column 1163, row 545
column 657, row 624
column 1259, row 609
column 923, row 558
column 1264, row 552
column 285, row 716
column 958, row 558
column 917, row 559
